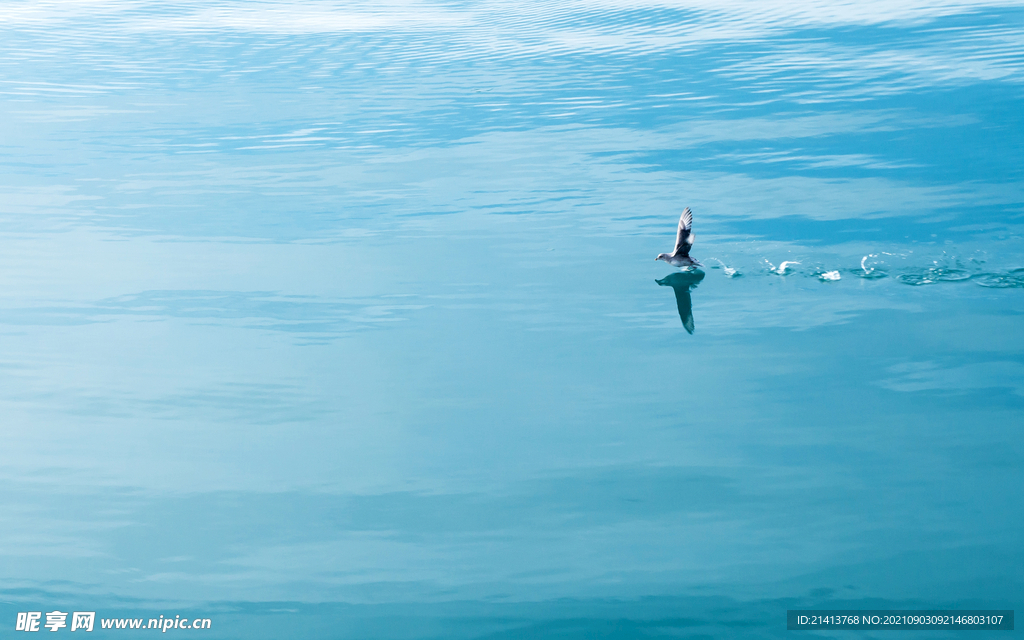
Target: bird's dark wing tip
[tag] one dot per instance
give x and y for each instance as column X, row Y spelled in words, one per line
column 686, row 219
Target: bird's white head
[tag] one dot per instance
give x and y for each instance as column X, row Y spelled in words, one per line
column 661, row 256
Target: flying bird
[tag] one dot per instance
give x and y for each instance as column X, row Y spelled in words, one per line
column 684, row 240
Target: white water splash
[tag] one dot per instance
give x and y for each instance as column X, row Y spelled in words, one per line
column 782, row 269
column 878, row 268
column 829, row 276
column 729, row 271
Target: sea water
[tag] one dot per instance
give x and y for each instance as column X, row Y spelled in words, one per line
column 342, row 320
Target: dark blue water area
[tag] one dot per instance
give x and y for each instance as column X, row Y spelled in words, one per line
column 328, row 321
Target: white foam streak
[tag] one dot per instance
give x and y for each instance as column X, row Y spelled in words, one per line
column 311, row 18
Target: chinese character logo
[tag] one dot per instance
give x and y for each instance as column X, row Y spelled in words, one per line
column 83, row 620
column 56, row 620
column 28, row 621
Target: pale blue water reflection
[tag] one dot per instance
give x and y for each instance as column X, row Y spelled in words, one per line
column 682, row 284
column 341, row 320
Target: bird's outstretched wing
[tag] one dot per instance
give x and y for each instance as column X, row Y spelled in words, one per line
column 684, row 304
column 684, row 235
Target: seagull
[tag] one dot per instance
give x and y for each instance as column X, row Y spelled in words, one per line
column 684, row 240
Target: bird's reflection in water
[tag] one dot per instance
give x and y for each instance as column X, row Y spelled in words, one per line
column 683, row 283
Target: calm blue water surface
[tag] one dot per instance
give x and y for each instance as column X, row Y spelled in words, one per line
column 341, row 320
